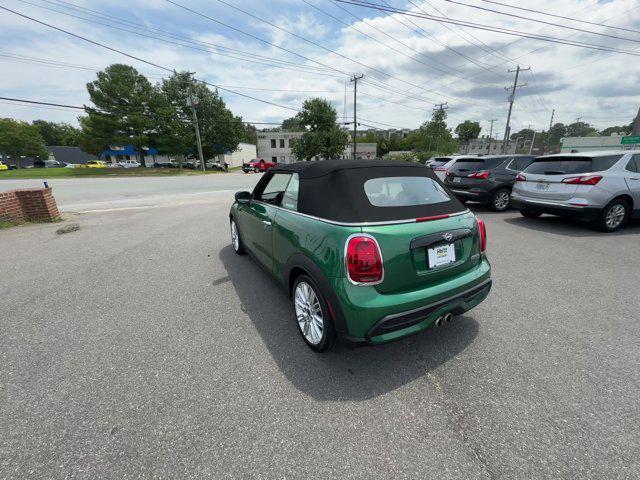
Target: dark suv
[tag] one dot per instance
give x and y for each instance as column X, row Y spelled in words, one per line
column 487, row 180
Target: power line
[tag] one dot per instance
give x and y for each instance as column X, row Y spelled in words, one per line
column 513, row 15
column 80, row 37
column 489, row 28
column 531, row 10
column 413, row 58
column 300, row 37
column 60, row 106
column 190, row 44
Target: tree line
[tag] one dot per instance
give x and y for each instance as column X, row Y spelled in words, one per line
column 127, row 109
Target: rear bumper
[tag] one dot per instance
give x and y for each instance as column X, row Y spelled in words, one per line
column 574, row 211
column 456, row 304
column 373, row 317
column 471, row 195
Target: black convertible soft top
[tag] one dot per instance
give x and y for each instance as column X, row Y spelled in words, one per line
column 334, row 190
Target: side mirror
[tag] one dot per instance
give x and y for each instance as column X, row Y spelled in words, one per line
column 243, row 197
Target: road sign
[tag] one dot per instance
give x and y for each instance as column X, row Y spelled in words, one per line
column 630, row 139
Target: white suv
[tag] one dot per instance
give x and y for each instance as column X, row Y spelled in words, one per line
column 603, row 187
column 129, row 164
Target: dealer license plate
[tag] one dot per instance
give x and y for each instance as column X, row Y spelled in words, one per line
column 441, row 255
column 542, row 186
column 457, row 180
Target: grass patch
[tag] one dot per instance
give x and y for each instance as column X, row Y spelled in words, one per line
column 26, row 173
column 9, row 224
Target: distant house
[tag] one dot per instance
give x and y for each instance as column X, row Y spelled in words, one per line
column 61, row 154
column 70, row 155
column 115, row 154
column 243, row 154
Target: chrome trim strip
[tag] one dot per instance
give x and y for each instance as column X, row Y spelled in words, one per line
column 464, row 192
column 552, row 204
column 360, row 224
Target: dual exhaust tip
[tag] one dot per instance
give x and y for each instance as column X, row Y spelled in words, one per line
column 446, row 318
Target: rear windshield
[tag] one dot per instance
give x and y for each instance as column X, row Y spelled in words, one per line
column 571, row 165
column 438, row 163
column 404, row 191
column 475, row 164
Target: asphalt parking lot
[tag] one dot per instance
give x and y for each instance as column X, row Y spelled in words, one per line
column 141, row 346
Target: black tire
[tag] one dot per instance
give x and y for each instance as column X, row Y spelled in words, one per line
column 327, row 340
column 245, row 171
column 613, row 216
column 238, row 246
column 530, row 213
column 497, row 202
column 256, row 170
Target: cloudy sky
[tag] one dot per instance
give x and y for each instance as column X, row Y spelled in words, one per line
column 283, row 51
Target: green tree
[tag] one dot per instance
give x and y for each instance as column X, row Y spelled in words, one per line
column 124, row 100
column 292, row 123
column 59, row 134
column 467, row 130
column 556, row 133
column 580, row 129
column 322, row 137
column 524, row 134
column 18, row 139
column 377, row 138
column 250, row 134
column 624, row 130
column 435, row 136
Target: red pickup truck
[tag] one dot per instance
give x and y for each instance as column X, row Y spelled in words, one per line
column 257, row 165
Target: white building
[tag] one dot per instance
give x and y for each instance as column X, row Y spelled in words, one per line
column 593, row 144
column 243, row 154
column 487, row 146
column 276, row 146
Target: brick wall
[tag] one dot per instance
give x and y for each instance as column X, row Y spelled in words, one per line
column 19, row 206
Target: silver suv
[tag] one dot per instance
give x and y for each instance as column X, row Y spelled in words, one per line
column 603, row 187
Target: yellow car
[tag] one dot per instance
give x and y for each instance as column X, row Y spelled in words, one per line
column 94, row 164
column 3, row 167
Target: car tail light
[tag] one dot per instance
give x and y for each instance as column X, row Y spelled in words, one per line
column 482, row 230
column 364, row 260
column 480, row 175
column 521, row 178
column 584, row 180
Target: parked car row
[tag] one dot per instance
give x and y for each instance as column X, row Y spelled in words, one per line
column 600, row 187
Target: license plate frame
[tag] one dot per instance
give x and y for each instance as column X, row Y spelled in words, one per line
column 441, row 255
column 457, row 180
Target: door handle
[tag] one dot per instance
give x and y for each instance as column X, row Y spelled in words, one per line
column 267, row 223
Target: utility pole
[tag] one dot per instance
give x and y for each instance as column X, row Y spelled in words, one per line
column 355, row 79
column 512, row 98
column 553, row 112
column 193, row 101
column 532, row 140
column 441, row 107
column 491, row 134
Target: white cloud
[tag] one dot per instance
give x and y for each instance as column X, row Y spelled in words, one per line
column 405, row 57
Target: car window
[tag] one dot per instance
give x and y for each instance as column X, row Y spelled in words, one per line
column 571, row 165
column 475, row 164
column 274, row 190
column 290, row 197
column 634, row 164
column 404, row 191
column 518, row 164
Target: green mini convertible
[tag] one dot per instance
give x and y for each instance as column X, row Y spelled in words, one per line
column 370, row 251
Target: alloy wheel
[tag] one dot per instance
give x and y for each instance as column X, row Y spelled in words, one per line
column 501, row 201
column 235, row 238
column 309, row 313
column 615, row 216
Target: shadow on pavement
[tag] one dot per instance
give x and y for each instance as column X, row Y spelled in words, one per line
column 569, row 227
column 347, row 372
